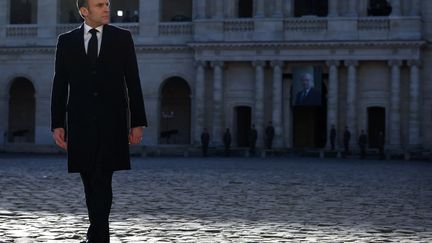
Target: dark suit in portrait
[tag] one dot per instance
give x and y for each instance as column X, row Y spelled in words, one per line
column 97, row 109
column 309, row 97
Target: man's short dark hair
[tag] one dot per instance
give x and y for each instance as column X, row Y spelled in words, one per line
column 82, row 3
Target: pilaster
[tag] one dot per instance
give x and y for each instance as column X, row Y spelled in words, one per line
column 149, row 16
column 219, row 9
column 200, row 9
column 352, row 8
column 414, row 91
column 259, row 8
column 4, row 109
column 277, row 103
column 4, row 9
column 199, row 113
column 396, row 7
column 351, row 119
column 395, row 125
column 47, row 18
column 333, row 8
column 415, row 7
column 332, row 106
column 259, row 100
column 288, row 6
column 277, row 10
column 217, row 102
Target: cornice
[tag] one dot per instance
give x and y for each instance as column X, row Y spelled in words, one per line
column 197, row 46
column 16, row 50
column 305, row 44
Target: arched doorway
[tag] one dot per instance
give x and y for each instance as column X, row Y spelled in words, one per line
column 243, row 119
column 175, row 112
column 376, row 124
column 22, row 110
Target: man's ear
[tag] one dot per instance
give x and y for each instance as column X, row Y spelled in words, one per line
column 83, row 11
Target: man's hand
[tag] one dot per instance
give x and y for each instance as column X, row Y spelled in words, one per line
column 135, row 135
column 59, row 138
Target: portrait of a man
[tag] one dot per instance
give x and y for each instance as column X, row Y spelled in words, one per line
column 307, row 94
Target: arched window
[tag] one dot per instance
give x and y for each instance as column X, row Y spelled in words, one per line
column 310, row 7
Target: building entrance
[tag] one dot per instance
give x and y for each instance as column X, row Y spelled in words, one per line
column 175, row 116
column 376, row 124
column 22, row 110
column 309, row 127
column 243, row 118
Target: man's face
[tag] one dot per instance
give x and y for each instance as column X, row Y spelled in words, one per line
column 97, row 13
column 306, row 83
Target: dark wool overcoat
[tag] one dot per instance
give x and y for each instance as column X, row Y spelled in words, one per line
column 97, row 103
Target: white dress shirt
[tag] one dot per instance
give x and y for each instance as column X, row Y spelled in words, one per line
column 88, row 35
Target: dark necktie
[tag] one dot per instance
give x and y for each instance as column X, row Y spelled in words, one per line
column 92, row 49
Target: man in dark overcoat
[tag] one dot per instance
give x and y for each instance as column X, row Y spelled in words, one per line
column 97, row 107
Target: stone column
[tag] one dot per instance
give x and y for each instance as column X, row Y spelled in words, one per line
column 396, row 7
column 4, row 102
column 333, row 8
column 259, row 8
column 352, row 8
column 259, row 100
column 395, row 124
column 218, row 106
column 231, row 8
column 277, row 103
column 42, row 120
column 415, row 8
column 277, row 10
column 414, row 91
column 47, row 18
column 351, row 119
column 219, row 9
column 288, row 8
column 199, row 100
column 149, row 18
column 3, row 18
column 200, row 9
column 332, row 105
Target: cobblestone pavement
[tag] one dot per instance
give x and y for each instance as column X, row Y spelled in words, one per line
column 224, row 200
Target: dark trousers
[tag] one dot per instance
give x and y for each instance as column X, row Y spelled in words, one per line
column 98, row 193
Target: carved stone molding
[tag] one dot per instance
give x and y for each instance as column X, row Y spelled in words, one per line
column 394, row 62
column 333, row 63
column 414, row 62
column 258, row 63
column 351, row 63
column 277, row 63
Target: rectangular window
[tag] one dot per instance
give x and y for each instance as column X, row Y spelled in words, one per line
column 23, row 11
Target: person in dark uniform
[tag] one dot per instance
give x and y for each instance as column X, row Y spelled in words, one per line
column 270, row 133
column 97, row 107
column 205, row 139
column 253, row 135
column 227, row 142
column 362, row 140
column 333, row 137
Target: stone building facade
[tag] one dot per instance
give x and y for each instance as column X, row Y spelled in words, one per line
column 221, row 64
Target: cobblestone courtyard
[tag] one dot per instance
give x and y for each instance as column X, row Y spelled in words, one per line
column 224, row 200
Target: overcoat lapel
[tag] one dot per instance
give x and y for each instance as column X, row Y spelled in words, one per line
column 80, row 49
